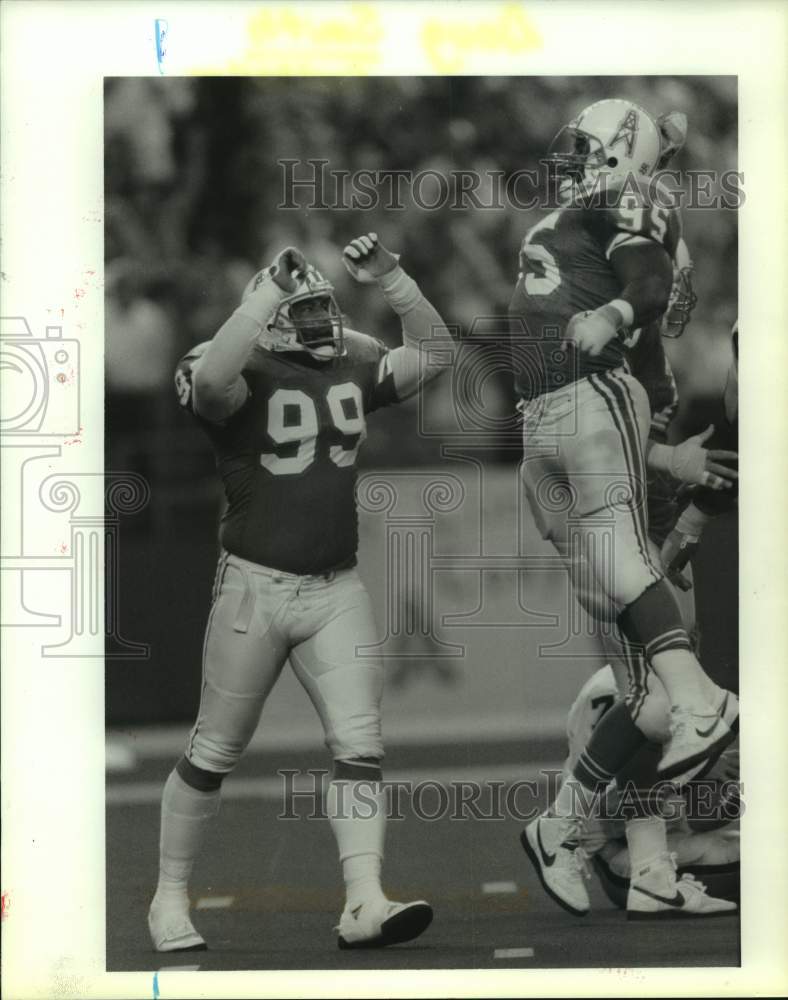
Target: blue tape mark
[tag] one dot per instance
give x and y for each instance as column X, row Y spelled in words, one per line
column 155, row 986
column 161, row 42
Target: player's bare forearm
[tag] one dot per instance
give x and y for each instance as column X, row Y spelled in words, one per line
column 645, row 273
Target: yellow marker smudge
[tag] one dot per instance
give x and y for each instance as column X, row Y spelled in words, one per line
column 448, row 42
column 288, row 41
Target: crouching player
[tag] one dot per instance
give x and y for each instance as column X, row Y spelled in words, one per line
column 692, row 865
column 283, row 391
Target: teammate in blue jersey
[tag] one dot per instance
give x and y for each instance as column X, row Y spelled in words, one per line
column 595, row 272
column 643, row 875
column 283, row 392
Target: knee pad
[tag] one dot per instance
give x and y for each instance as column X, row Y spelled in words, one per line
column 213, row 752
column 198, row 777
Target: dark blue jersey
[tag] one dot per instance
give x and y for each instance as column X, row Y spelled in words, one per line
column 287, row 457
column 566, row 268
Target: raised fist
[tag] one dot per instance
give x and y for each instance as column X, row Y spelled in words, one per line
column 367, row 260
column 287, row 268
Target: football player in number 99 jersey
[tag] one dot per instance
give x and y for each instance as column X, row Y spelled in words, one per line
column 592, row 273
column 283, row 391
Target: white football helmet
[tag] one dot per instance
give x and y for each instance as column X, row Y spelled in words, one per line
column 308, row 319
column 613, row 137
column 682, row 295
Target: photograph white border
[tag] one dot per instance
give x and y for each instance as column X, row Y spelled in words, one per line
column 54, row 59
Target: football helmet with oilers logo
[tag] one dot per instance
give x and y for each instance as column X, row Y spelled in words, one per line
column 613, row 138
column 682, row 295
column 308, row 319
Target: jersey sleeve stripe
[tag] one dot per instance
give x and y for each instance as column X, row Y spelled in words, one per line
column 384, row 368
column 620, row 239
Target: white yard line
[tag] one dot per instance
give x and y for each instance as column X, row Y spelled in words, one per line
column 214, row 903
column 166, row 741
column 513, row 953
column 499, row 888
column 273, row 788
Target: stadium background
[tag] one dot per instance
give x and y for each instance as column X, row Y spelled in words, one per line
column 192, row 187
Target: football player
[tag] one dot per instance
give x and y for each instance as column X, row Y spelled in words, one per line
column 593, row 272
column 681, row 851
column 680, row 544
column 654, row 880
column 283, row 392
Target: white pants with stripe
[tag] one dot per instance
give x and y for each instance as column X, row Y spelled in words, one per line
column 262, row 617
column 584, row 475
column 585, row 479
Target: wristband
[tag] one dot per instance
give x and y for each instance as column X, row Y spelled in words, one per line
column 692, row 521
column 625, row 312
column 688, row 468
column 400, row 290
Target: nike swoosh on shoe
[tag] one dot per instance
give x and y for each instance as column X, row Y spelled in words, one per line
column 677, row 900
column 548, row 859
column 703, row 733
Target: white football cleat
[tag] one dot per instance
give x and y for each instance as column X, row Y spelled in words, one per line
column 693, row 739
column 171, row 929
column 656, row 894
column 381, row 922
column 553, row 848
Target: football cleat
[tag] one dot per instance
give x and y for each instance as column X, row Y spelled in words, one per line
column 656, row 894
column 729, row 710
column 693, row 739
column 552, row 846
column 381, row 922
column 171, row 929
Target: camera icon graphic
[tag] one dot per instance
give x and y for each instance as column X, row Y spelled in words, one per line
column 40, row 381
column 496, row 354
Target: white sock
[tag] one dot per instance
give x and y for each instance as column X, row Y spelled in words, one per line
column 684, row 680
column 573, row 801
column 357, row 814
column 185, row 815
column 647, row 840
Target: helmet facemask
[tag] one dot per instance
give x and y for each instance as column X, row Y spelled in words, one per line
column 308, row 319
column 574, row 160
column 681, row 303
column 311, row 322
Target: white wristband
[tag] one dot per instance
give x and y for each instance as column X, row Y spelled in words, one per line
column 692, row 521
column 626, row 311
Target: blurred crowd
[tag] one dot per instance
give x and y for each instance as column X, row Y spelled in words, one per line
column 193, row 181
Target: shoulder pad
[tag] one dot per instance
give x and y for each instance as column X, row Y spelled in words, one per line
column 633, row 210
column 183, row 374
